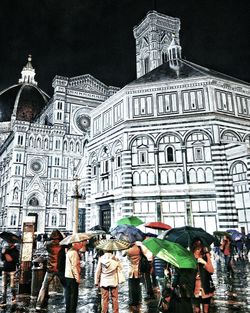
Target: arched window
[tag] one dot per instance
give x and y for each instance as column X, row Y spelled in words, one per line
column 15, row 193
column 77, row 147
column 46, row 144
column 164, row 177
column 179, row 176
column 53, row 220
column 65, row 146
column 13, row 219
column 171, row 177
column 192, row 176
column 169, row 154
column 55, row 195
column 144, row 178
column 39, row 144
column 136, row 179
column 201, row 175
column 151, row 178
column 31, row 141
column 209, row 175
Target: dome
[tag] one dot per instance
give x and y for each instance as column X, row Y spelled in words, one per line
column 23, row 101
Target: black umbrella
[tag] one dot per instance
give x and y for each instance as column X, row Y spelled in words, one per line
column 10, row 237
column 186, row 236
column 99, row 227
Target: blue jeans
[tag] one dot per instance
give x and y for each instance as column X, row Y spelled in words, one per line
column 71, row 295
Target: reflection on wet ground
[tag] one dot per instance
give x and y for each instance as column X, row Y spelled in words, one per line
column 232, row 293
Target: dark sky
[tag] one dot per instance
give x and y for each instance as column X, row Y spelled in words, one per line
column 75, row 37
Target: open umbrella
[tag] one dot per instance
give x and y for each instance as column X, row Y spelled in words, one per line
column 158, row 225
column 112, row 245
column 186, row 235
column 99, row 228
column 235, row 234
column 130, row 220
column 10, row 237
column 171, row 252
column 78, row 237
column 221, row 233
column 127, row 233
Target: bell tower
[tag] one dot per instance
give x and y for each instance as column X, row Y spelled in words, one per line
column 153, row 37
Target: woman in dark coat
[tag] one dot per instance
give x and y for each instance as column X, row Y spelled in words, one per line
column 182, row 291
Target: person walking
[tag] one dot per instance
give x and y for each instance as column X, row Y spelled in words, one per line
column 227, row 250
column 72, row 273
column 10, row 258
column 134, row 256
column 55, row 266
column 204, row 287
column 106, row 277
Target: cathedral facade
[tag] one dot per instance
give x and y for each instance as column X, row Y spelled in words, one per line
column 173, row 145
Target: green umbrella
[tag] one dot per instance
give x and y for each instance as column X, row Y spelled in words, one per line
column 171, row 252
column 221, row 233
column 130, row 220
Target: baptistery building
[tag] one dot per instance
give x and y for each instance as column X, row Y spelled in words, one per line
column 172, row 145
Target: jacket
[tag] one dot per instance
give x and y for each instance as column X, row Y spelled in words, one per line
column 134, row 257
column 72, row 268
column 204, row 282
column 106, row 271
column 56, row 257
column 10, row 266
column 159, row 265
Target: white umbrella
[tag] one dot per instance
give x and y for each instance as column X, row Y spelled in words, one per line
column 78, row 237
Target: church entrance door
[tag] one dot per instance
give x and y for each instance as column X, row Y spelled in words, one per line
column 105, row 215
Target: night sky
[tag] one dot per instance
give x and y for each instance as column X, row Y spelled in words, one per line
column 76, row 37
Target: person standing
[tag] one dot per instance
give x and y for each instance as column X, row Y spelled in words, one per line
column 55, row 266
column 182, row 291
column 72, row 273
column 147, row 275
column 106, row 277
column 10, row 258
column 134, row 256
column 204, row 287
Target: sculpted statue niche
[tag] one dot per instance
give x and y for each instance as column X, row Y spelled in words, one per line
column 33, row 202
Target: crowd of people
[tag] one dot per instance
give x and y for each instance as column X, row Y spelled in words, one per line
column 181, row 290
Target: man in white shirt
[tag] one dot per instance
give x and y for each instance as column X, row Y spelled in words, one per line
column 72, row 275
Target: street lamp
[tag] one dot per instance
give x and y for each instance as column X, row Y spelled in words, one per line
column 77, row 196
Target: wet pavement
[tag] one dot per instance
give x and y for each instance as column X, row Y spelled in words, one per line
column 232, row 293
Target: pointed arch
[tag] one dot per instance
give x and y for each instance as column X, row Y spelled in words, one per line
column 171, row 177
column 192, row 176
column 200, row 175
column 163, row 177
column 136, row 179
column 144, row 178
column 209, row 175
column 151, row 178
